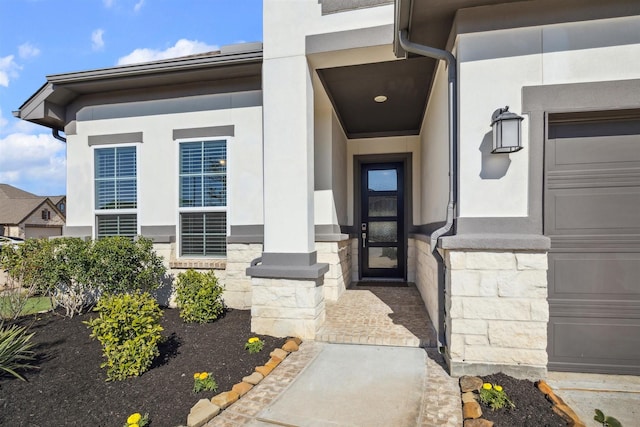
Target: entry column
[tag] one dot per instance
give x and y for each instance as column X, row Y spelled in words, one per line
column 287, row 295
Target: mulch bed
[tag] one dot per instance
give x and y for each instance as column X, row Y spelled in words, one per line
column 70, row 389
column 532, row 408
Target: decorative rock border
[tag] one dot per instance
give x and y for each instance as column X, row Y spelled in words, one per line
column 472, row 412
column 559, row 405
column 205, row 410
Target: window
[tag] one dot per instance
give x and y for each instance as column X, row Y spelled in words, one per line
column 203, row 198
column 46, row 214
column 116, row 192
column 116, row 225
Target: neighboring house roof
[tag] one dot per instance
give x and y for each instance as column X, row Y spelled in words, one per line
column 10, row 192
column 56, row 199
column 17, row 205
column 47, row 106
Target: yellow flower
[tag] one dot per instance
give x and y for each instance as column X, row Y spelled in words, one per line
column 204, row 376
column 498, row 387
column 196, row 375
column 254, row 339
column 133, row 419
column 134, row 425
column 486, row 386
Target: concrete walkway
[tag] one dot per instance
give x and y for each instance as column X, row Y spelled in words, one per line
column 615, row 395
column 392, row 378
column 351, row 385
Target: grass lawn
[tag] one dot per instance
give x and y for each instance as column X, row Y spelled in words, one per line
column 33, row 305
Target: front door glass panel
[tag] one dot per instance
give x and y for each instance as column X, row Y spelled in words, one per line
column 382, row 223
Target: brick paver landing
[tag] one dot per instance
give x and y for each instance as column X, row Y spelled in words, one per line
column 380, row 315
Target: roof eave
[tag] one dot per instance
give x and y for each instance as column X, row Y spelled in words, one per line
column 401, row 22
column 47, row 106
column 157, row 67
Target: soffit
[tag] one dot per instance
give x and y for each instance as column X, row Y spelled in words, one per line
column 352, row 89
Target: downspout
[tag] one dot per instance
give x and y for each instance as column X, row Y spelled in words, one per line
column 452, row 79
column 448, row 57
column 56, row 135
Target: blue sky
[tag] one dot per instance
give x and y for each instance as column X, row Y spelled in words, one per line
column 42, row 37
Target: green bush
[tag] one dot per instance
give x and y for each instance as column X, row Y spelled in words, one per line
column 120, row 265
column 31, row 270
column 76, row 272
column 199, row 296
column 128, row 327
column 73, row 289
column 32, row 264
column 15, row 350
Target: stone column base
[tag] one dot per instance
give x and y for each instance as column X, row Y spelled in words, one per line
column 287, row 307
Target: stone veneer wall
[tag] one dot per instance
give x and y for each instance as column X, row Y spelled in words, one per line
column 426, row 273
column 497, row 312
column 355, row 267
column 238, row 285
column 338, row 256
column 230, row 272
column 287, row 307
column 412, row 261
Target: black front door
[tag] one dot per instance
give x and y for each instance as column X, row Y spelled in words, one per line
column 382, row 241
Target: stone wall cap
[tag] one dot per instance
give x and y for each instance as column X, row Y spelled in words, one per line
column 525, row 242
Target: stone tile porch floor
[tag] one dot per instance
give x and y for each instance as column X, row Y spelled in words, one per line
column 378, row 315
column 372, row 315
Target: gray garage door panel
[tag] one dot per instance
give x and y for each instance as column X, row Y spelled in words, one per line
column 592, row 216
column 594, row 276
column 603, row 210
column 587, row 344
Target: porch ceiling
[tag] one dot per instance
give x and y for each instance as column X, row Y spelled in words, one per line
column 352, row 90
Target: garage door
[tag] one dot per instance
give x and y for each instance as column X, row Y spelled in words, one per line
column 35, row 232
column 592, row 215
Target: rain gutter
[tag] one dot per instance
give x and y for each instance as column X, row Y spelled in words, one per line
column 443, row 55
column 56, row 134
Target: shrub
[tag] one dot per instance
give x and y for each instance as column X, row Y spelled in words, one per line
column 120, row 265
column 199, row 296
column 73, row 290
column 128, row 327
column 31, row 269
column 15, row 350
column 56, row 267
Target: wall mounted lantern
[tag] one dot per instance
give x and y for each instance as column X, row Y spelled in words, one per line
column 506, row 131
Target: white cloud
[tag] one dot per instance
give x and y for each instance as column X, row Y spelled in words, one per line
column 97, row 43
column 8, row 70
column 33, row 162
column 3, row 121
column 112, row 3
column 183, row 47
column 138, row 5
column 27, row 50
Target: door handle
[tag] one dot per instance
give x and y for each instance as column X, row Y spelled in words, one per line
column 363, row 227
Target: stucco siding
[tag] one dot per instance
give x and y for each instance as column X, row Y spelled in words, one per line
column 157, row 174
column 434, row 150
column 493, row 68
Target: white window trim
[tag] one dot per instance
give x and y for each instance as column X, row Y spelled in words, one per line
column 180, row 210
column 97, row 212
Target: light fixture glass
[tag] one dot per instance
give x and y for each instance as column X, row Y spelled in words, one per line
column 506, row 131
column 380, row 98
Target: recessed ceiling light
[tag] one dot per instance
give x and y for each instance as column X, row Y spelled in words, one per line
column 380, row 98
